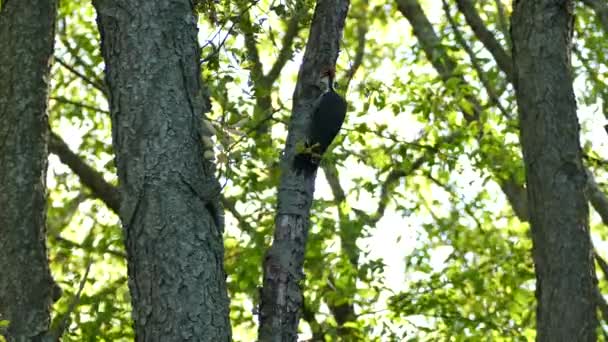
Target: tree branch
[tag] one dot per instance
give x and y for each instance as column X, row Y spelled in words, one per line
column 101, row 189
column 494, row 98
column 428, row 39
column 58, row 332
column 230, row 205
column 597, row 197
column 331, row 175
column 515, row 193
column 601, row 301
column 107, row 192
column 257, row 73
column 72, row 244
column 435, row 52
column 487, row 38
column 281, row 295
column 62, row 99
column 99, row 86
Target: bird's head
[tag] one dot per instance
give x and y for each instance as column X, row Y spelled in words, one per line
column 327, row 78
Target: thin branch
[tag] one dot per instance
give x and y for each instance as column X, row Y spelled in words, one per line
column 602, row 264
column 428, row 39
column 105, row 191
column 393, row 177
column 597, row 197
column 494, row 98
column 93, row 83
column 487, row 38
column 76, row 55
column 62, row 99
column 601, row 301
column 101, row 189
column 72, row 244
column 230, row 205
column 435, row 52
column 216, row 49
column 331, row 175
column 253, row 54
column 73, row 304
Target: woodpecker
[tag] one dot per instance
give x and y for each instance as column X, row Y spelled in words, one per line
column 329, row 112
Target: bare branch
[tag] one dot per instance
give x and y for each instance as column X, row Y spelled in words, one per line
column 101, row 189
column 95, row 84
column 62, row 99
column 216, row 49
column 230, row 205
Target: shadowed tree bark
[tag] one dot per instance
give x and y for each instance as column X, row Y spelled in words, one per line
column 555, row 176
column 26, row 286
column 281, row 295
column 169, row 196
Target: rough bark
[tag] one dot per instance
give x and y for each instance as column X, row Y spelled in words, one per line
column 169, row 196
column 281, row 295
column 555, row 176
column 26, row 286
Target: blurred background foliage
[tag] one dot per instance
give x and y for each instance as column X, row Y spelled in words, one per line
column 412, row 236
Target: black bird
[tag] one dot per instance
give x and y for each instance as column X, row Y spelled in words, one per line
column 328, row 115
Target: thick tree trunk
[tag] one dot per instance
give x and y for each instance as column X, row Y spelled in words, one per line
column 281, row 295
column 26, row 286
column 169, row 196
column 555, row 177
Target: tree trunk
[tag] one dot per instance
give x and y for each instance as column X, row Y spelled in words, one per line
column 281, row 295
column 169, row 195
column 27, row 289
column 555, row 177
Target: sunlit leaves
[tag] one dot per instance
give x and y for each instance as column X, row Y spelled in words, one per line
column 415, row 151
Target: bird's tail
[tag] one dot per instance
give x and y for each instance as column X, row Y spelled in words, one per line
column 305, row 163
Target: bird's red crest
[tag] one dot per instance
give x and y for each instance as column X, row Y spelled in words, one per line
column 328, row 71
